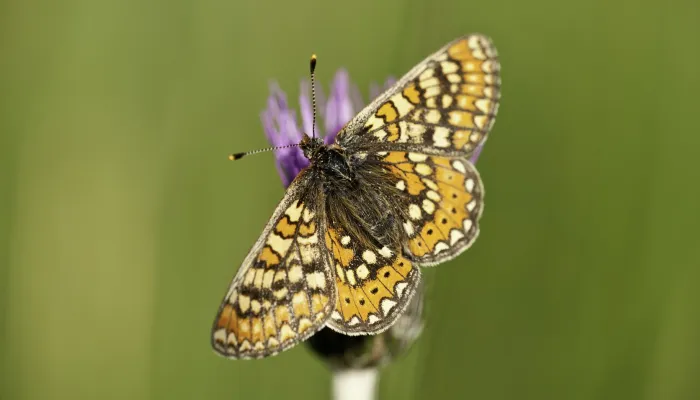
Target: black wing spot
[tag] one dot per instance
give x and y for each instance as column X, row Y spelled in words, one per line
column 386, row 274
column 374, row 290
column 347, row 300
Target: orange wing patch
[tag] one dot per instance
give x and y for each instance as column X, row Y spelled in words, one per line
column 446, row 105
column 446, row 200
column 374, row 285
column 284, row 290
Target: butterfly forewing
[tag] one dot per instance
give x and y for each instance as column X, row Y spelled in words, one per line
column 284, row 291
column 446, row 105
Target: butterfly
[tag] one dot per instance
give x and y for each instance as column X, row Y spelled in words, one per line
column 394, row 192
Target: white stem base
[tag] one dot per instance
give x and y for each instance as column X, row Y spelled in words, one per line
column 355, row 384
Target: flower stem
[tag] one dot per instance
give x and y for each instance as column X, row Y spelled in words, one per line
column 355, row 384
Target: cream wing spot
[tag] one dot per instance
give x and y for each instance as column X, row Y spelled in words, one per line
column 386, row 252
column 440, row 246
column 220, row 335
column 249, row 277
column 428, row 73
column 308, row 215
column 387, row 305
column 294, row 211
column 286, row 333
column 414, row 212
column 351, row 277
column 417, row 157
column 295, row 274
column 446, row 100
column 467, row 225
column 258, row 277
column 440, row 137
column 428, row 206
column 484, row 105
column 455, row 236
column 279, row 244
column 243, row 302
column 316, row 280
column 469, row 185
column 380, row 134
column 400, row 287
column 255, row 306
column 232, row 340
column 449, row 67
column 480, row 121
column 267, row 278
column 432, row 91
column 362, row 272
column 426, row 83
column 423, row 169
column 280, row 275
column 459, row 166
column 430, row 184
column 281, row 294
column 408, row 227
column 369, row 257
column 339, row 272
column 432, row 195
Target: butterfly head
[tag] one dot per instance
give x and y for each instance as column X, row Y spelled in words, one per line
column 310, row 146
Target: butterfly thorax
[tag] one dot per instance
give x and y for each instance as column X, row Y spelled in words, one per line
column 329, row 160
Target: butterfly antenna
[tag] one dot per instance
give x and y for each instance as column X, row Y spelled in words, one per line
column 238, row 156
column 312, row 66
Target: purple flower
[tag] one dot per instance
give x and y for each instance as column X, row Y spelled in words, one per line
column 282, row 128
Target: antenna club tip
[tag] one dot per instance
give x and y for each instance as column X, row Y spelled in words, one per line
column 313, row 63
column 237, row 156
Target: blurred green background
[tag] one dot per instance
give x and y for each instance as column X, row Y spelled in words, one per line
column 122, row 222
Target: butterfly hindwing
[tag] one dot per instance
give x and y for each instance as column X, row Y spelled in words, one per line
column 374, row 284
column 446, row 105
column 284, row 291
column 445, row 201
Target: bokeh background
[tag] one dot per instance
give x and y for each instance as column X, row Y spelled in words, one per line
column 122, row 222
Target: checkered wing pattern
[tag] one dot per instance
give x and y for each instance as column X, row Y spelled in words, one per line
column 375, row 283
column 446, row 105
column 284, row 291
column 444, row 203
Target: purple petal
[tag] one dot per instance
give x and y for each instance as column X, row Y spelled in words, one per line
column 374, row 91
column 339, row 109
column 477, row 152
column 281, row 129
